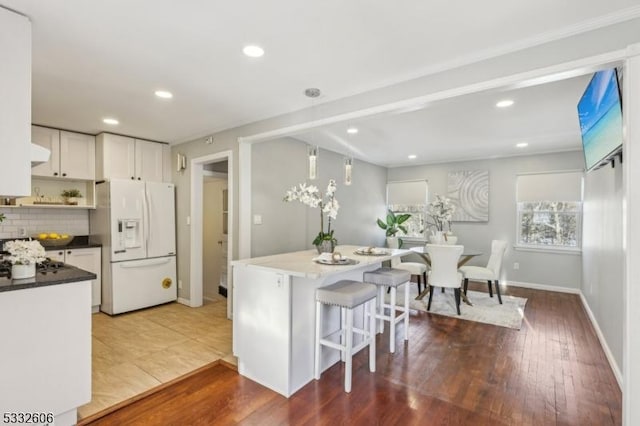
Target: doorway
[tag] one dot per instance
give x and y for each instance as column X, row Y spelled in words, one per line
column 215, row 230
column 201, row 167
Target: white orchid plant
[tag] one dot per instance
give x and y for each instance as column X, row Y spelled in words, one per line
column 311, row 196
column 440, row 212
column 24, row 252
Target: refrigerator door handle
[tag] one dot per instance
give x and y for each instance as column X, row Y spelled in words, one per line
column 146, row 221
column 144, row 262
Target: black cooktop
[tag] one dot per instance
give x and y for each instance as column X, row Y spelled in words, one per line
column 43, row 268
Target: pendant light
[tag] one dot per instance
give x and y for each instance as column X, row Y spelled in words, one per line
column 312, row 154
column 348, row 170
column 312, row 150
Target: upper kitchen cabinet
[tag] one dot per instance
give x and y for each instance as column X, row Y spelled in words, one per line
column 122, row 157
column 72, row 154
column 15, row 103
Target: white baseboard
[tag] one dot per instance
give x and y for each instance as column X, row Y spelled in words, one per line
column 542, row 287
column 184, row 301
column 603, row 342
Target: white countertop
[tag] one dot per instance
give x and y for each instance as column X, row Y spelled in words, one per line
column 301, row 263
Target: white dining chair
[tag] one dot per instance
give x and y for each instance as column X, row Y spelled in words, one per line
column 444, row 270
column 489, row 273
column 417, row 269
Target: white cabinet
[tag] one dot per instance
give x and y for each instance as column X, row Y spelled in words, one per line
column 72, row 154
column 46, row 350
column 89, row 259
column 122, row 157
column 15, row 103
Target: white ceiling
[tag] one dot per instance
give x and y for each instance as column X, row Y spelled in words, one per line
column 93, row 59
column 465, row 128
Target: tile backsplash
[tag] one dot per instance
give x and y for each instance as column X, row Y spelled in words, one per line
column 34, row 221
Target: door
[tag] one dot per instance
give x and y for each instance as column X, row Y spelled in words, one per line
column 214, row 238
column 50, row 139
column 149, row 161
column 77, row 155
column 161, row 227
column 128, row 233
column 88, row 259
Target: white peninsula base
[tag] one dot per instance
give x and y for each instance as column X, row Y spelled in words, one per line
column 274, row 314
column 46, row 350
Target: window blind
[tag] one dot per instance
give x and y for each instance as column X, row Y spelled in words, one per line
column 407, row 193
column 556, row 186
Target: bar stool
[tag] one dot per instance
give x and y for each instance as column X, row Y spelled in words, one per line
column 347, row 295
column 391, row 278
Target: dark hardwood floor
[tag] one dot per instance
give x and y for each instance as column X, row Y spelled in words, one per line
column 452, row 372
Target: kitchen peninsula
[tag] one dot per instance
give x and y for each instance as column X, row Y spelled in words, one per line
column 46, row 344
column 274, row 313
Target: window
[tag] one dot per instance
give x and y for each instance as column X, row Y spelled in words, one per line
column 550, row 210
column 409, row 197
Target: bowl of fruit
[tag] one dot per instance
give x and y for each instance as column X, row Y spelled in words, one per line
column 53, row 239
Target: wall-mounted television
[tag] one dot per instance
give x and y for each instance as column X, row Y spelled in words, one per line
column 600, row 114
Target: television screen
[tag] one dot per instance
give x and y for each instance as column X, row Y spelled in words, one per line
column 600, row 114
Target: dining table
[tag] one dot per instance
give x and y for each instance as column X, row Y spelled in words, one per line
column 466, row 256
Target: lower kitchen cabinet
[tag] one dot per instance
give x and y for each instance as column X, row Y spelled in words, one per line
column 88, row 259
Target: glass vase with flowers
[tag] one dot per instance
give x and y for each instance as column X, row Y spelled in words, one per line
column 327, row 203
column 439, row 214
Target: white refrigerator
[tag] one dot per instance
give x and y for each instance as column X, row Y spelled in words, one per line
column 135, row 223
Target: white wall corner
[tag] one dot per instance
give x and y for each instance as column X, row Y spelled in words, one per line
column 244, row 199
column 603, row 342
column 184, row 301
column 631, row 243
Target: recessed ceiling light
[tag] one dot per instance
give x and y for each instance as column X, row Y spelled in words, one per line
column 504, row 103
column 412, row 157
column 111, row 121
column 253, row 51
column 164, row 94
column 352, row 130
column 522, row 145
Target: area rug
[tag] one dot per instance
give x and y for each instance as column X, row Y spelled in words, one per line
column 485, row 309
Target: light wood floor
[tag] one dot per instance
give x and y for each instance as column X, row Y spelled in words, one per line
column 553, row 371
column 137, row 351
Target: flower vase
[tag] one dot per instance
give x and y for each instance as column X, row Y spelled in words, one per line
column 326, row 246
column 23, row 271
column 437, row 238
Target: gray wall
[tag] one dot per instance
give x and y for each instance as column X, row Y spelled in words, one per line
column 560, row 51
column 280, row 164
column 549, row 269
column 603, row 256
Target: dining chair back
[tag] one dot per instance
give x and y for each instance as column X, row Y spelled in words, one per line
column 417, row 269
column 498, row 247
column 444, row 270
column 489, row 273
column 444, row 264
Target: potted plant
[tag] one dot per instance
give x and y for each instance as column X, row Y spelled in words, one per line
column 23, row 256
column 440, row 211
column 70, row 196
column 310, row 195
column 393, row 224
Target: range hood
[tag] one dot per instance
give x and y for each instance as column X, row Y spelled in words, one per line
column 39, row 154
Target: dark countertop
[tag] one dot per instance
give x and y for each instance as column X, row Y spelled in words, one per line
column 78, row 242
column 68, row 274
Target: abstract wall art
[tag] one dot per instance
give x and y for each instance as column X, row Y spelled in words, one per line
column 469, row 191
